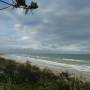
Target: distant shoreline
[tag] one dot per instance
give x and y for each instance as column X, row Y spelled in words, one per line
column 48, row 65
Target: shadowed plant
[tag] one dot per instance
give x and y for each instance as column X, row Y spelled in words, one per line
column 19, row 76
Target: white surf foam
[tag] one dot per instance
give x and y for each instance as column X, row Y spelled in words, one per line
column 75, row 60
column 83, row 68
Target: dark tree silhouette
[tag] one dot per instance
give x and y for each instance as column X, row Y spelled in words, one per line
column 20, row 4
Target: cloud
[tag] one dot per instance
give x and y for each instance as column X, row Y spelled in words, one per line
column 61, row 25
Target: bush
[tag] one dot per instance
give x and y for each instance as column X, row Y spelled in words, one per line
column 17, row 76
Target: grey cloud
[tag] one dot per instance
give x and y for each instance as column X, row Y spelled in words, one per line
column 56, row 25
column 79, row 4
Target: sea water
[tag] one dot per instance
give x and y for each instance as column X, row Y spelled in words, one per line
column 79, row 62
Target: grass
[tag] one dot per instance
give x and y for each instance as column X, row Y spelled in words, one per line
column 16, row 76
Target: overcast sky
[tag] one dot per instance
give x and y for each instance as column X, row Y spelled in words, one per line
column 58, row 25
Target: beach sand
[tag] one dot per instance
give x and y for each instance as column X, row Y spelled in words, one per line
column 54, row 66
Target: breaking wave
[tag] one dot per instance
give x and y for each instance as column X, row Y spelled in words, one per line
column 84, row 68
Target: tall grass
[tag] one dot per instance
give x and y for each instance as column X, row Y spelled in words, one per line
column 16, row 76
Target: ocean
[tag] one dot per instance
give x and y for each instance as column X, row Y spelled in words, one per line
column 78, row 62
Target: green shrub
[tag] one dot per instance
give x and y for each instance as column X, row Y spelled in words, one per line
column 17, row 76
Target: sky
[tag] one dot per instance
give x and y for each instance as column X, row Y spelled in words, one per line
column 57, row 25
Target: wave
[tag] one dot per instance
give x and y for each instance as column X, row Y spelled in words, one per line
column 58, row 59
column 83, row 68
column 68, row 66
column 75, row 60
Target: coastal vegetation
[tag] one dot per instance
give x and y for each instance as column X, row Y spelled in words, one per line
column 24, row 76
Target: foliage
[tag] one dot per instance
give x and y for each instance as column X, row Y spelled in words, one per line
column 18, row 76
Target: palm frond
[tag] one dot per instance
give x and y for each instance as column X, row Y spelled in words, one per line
column 26, row 11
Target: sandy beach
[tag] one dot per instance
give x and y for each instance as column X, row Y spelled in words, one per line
column 54, row 66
